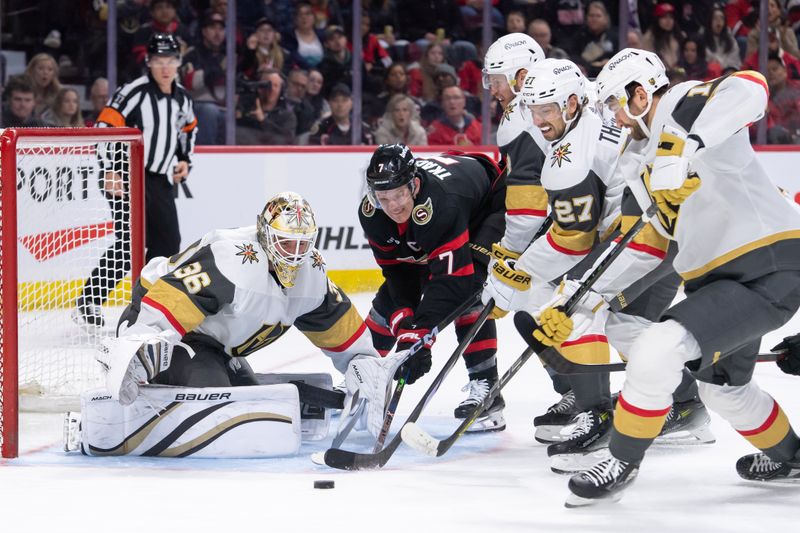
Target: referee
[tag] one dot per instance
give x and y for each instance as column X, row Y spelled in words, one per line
column 162, row 109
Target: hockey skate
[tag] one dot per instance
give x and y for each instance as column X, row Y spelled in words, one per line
column 687, row 423
column 759, row 467
column 72, row 431
column 590, row 434
column 549, row 426
column 88, row 315
column 604, row 482
column 492, row 418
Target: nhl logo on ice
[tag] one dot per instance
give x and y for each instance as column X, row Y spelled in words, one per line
column 422, row 213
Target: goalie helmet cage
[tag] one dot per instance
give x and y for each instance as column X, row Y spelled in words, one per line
column 57, row 226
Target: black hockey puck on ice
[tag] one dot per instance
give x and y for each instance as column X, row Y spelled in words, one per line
column 323, row 484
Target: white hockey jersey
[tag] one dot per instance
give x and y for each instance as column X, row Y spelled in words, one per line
column 584, row 193
column 221, row 288
column 737, row 224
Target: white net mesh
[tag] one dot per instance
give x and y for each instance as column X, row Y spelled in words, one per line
column 73, row 264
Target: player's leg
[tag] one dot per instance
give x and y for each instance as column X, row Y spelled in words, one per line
column 162, row 233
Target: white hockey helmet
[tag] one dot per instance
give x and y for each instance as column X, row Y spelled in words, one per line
column 287, row 231
column 628, row 66
column 508, row 54
column 553, row 81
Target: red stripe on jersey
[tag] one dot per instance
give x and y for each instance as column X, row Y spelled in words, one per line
column 381, row 248
column 754, row 79
column 489, row 344
column 455, row 244
column 649, row 250
column 469, row 318
column 638, row 411
column 401, row 228
column 565, row 251
column 346, row 344
column 383, row 353
column 527, row 212
column 464, row 271
column 585, row 340
column 377, row 328
column 164, row 311
column 385, row 262
column 763, row 427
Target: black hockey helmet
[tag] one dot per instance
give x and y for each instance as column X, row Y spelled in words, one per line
column 163, row 44
column 391, row 166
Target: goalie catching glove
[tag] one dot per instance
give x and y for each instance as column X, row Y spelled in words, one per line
column 671, row 180
column 506, row 285
column 555, row 326
column 368, row 378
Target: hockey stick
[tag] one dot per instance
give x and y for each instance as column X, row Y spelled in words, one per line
column 347, row 460
column 422, row 441
column 401, row 383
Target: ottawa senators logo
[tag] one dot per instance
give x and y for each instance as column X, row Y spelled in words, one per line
column 422, row 213
column 367, row 209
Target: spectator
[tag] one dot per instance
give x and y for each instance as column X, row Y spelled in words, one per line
column 42, row 71
column 400, row 123
column 376, row 58
column 297, row 103
column 663, row 37
column 326, row 13
column 539, row 29
column 66, row 110
column 455, row 125
column 304, row 42
column 266, row 119
column 203, row 74
column 472, row 15
column 720, row 44
column 98, row 96
column 164, row 19
column 421, row 83
column 778, row 24
column 316, row 81
column 693, row 61
column 597, row 41
column 445, row 77
column 280, row 13
column 335, row 130
column 515, row 21
column 568, row 21
column 262, row 50
column 773, row 47
column 19, row 113
column 634, row 38
column 430, row 21
column 336, row 65
column 783, row 111
column 395, row 82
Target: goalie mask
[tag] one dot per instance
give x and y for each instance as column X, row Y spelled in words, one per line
column 287, row 231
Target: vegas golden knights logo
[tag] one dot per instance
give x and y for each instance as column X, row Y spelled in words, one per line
column 367, row 209
column 422, row 213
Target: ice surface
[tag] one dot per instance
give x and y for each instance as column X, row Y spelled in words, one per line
column 485, row 483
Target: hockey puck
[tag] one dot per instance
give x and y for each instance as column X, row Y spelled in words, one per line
column 323, row 484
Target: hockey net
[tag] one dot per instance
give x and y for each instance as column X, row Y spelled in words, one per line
column 59, row 229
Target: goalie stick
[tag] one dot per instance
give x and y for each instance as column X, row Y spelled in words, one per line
column 347, row 460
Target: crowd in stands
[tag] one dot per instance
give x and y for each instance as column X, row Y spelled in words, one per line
column 421, row 59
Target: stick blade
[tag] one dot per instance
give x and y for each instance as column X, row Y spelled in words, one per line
column 418, row 439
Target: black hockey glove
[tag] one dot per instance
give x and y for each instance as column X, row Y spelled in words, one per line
column 420, row 362
column 790, row 362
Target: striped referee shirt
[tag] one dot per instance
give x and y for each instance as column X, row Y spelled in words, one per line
column 167, row 121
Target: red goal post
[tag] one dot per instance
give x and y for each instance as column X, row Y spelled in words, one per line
column 57, row 224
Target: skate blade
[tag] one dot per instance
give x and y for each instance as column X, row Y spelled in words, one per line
column 549, row 434
column 573, row 463
column 318, row 458
column 487, row 424
column 687, row 438
column 574, row 501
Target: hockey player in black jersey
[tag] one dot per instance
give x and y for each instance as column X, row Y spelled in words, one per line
column 430, row 223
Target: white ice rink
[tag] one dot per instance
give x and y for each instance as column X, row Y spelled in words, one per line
column 495, row 482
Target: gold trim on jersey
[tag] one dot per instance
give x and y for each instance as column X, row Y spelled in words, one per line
column 573, row 240
column 614, row 226
column 738, row 252
column 648, row 236
column 340, row 332
column 773, row 435
column 526, row 197
column 669, row 144
column 177, row 303
column 138, row 436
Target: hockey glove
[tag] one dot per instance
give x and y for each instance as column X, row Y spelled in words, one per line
column 671, row 181
column 419, row 363
column 401, row 319
column 507, row 286
column 501, row 253
column 790, row 362
column 555, row 326
column 370, row 379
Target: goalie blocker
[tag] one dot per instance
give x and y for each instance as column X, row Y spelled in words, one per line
column 210, row 422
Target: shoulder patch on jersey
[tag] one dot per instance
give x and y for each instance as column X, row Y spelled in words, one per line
column 561, row 154
column 367, row 209
column 317, row 261
column 247, row 253
column 507, row 112
column 422, row 213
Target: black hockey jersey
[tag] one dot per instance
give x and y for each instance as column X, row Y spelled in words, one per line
column 457, row 193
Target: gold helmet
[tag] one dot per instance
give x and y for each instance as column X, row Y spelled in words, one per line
column 287, row 231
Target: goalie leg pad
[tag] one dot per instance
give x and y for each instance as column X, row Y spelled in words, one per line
column 315, row 418
column 213, row 422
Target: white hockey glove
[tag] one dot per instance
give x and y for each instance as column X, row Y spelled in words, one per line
column 134, row 360
column 370, row 378
column 555, row 326
column 507, row 286
column 672, row 180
